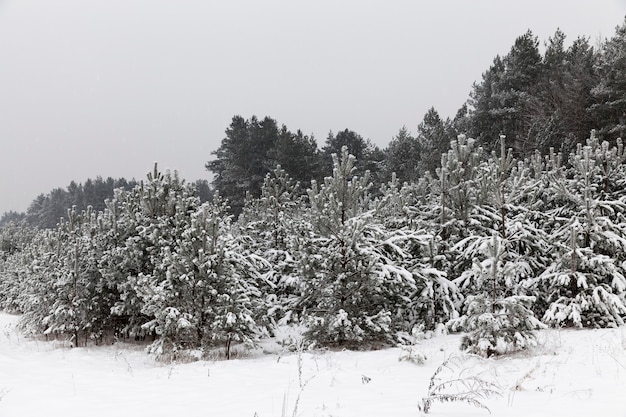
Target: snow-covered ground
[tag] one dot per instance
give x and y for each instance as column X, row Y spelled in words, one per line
column 571, row 373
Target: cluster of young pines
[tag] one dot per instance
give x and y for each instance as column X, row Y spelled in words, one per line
column 490, row 245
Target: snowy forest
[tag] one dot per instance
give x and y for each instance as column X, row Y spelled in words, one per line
column 506, row 219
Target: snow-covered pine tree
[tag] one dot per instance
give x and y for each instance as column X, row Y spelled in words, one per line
column 354, row 291
column 77, row 308
column 457, row 186
column 265, row 218
column 405, row 212
column 435, row 299
column 16, row 240
column 205, row 292
column 143, row 224
column 38, row 269
column 498, row 319
column 498, row 315
column 124, row 258
column 268, row 228
column 585, row 284
column 402, row 205
column 455, row 214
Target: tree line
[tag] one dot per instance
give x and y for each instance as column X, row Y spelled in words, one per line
column 46, row 210
column 538, row 101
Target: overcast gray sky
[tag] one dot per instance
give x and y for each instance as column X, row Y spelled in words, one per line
column 108, row 87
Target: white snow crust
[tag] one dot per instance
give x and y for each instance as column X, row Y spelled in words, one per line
column 570, row 373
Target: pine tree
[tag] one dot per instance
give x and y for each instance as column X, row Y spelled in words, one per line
column 502, row 104
column 559, row 110
column 405, row 212
column 579, row 80
column 270, row 225
column 251, row 150
column 402, row 204
column 202, row 291
column 9, row 217
column 67, row 293
column 457, row 184
column 547, row 105
column 585, row 282
column 498, row 315
column 370, row 157
column 353, row 291
column 17, row 241
column 498, row 318
column 432, row 135
column 486, row 119
column 297, row 154
column 610, row 92
column 38, row 268
column 138, row 225
column 402, row 157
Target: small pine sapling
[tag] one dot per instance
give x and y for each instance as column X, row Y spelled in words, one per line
column 410, row 353
column 409, row 350
column 499, row 326
column 497, row 323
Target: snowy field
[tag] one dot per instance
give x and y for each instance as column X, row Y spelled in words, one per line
column 571, row 373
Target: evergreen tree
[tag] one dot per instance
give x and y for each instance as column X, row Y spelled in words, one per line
column 269, row 227
column 585, row 283
column 78, row 284
column 502, row 102
column 203, row 190
column 432, row 135
column 65, row 291
column 559, row 114
column 486, row 118
column 457, row 185
column 297, row 155
column 16, row 244
column 498, row 319
column 402, row 157
column 11, row 217
column 34, row 275
column 579, row 80
column 370, row 157
column 498, row 315
column 48, row 209
column 610, row 92
column 251, row 149
column 460, row 124
column 402, row 205
column 234, row 169
column 523, row 71
column 143, row 223
column 353, row 291
column 548, row 105
column 201, row 291
column 406, row 214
